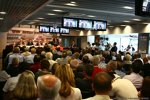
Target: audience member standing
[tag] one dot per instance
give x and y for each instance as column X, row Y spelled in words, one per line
column 67, row 90
column 114, row 48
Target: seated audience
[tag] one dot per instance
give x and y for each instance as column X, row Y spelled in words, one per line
column 48, row 87
column 67, row 90
column 102, row 86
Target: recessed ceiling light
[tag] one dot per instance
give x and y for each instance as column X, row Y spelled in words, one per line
column 128, row 7
column 40, row 18
column 126, row 21
column 91, row 16
column 3, row 13
column 136, row 19
column 70, row 4
column 145, row 23
column 57, row 10
column 110, row 26
column 1, row 18
column 122, row 25
column 36, row 20
column 51, row 14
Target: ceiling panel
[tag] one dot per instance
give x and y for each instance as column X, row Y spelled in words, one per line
column 109, row 10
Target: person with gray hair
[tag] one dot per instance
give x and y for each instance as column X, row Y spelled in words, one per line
column 48, row 87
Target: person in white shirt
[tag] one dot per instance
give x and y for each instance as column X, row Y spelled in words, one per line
column 102, row 86
column 122, row 89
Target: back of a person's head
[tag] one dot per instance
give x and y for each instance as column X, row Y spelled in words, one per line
column 76, row 55
column 48, row 86
column 74, row 64
column 16, row 50
column 127, row 57
column 102, row 83
column 85, row 59
column 145, row 89
column 45, row 64
column 64, row 54
column 112, row 65
column 96, row 60
column 23, row 66
column 89, row 69
column 33, row 50
column 137, row 66
column 49, row 55
column 15, row 61
column 26, row 87
column 36, row 58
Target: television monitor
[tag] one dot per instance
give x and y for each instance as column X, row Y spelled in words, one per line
column 85, row 24
column 142, row 7
column 54, row 30
column 64, row 30
column 44, row 29
column 99, row 25
column 69, row 22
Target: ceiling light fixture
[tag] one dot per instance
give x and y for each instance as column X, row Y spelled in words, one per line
column 126, row 21
column 1, row 18
column 122, row 25
column 70, row 4
column 40, row 18
column 136, row 19
column 127, row 7
column 57, row 10
column 3, row 13
column 91, row 16
column 110, row 26
column 51, row 14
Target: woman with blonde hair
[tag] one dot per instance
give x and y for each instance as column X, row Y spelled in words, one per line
column 67, row 90
column 26, row 88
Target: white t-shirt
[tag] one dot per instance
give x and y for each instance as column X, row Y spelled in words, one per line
column 123, row 89
column 11, row 84
column 75, row 95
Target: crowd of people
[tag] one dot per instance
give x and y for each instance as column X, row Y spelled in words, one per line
column 48, row 73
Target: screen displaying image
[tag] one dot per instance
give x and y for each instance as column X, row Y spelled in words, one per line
column 70, row 22
column 64, row 30
column 54, row 30
column 44, row 29
column 146, row 6
column 85, row 24
column 99, row 25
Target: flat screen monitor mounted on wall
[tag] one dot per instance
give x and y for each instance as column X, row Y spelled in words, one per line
column 85, row 24
column 44, row 29
column 69, row 22
column 99, row 25
column 64, row 30
column 142, row 7
column 54, row 30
